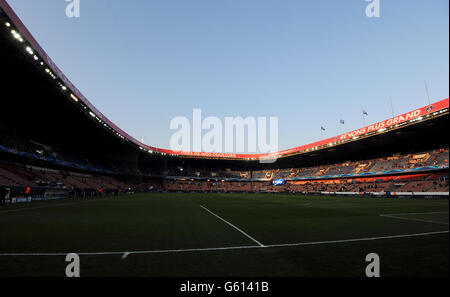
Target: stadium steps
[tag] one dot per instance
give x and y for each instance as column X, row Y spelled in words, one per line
column 16, row 171
column 5, row 181
column 391, row 188
column 17, row 180
column 370, row 166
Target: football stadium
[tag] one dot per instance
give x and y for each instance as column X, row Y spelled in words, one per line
column 73, row 182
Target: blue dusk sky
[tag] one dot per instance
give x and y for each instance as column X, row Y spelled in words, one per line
column 308, row 62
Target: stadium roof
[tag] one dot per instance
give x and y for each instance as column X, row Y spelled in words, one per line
column 26, row 45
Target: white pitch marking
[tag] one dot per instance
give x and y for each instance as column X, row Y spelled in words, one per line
column 225, row 221
column 358, row 239
column 136, row 252
column 47, row 206
column 233, row 248
column 412, row 213
column 39, row 207
column 410, row 219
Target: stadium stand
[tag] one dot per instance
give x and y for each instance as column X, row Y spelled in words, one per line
column 299, row 180
column 434, row 159
column 68, row 148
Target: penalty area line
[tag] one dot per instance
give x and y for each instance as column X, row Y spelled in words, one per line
column 412, row 213
column 225, row 221
column 411, row 219
column 359, row 239
column 126, row 254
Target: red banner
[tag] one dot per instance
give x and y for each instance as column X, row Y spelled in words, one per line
column 377, row 128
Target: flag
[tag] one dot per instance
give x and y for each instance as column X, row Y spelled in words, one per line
column 342, row 122
column 322, row 128
column 365, row 112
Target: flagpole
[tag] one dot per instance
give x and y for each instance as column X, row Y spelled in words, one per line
column 428, row 94
column 392, row 107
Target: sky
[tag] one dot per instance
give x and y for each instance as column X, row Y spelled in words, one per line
column 308, row 62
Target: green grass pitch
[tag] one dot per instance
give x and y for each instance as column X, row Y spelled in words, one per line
column 184, row 235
